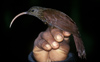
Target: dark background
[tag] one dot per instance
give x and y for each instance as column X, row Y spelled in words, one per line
column 17, row 42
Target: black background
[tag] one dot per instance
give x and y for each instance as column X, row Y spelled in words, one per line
column 17, row 42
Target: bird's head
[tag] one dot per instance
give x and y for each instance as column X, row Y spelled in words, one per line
column 34, row 11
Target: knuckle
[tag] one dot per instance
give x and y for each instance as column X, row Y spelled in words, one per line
column 44, row 34
column 55, row 30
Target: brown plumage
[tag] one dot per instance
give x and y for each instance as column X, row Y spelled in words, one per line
column 60, row 20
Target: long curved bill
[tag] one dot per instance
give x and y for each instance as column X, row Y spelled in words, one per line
column 16, row 17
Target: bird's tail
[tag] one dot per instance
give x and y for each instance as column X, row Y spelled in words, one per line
column 79, row 46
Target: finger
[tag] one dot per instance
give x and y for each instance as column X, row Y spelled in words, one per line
column 65, row 33
column 38, row 39
column 64, row 46
column 41, row 43
column 49, row 38
column 44, row 45
column 61, row 52
column 57, row 34
column 66, row 39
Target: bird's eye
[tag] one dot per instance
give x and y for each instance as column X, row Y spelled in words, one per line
column 32, row 10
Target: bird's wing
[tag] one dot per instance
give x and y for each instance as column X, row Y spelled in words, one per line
column 60, row 20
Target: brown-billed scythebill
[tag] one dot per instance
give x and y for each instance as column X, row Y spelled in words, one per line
column 57, row 19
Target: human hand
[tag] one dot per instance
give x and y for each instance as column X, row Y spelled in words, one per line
column 51, row 45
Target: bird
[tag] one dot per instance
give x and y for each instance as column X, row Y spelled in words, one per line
column 57, row 19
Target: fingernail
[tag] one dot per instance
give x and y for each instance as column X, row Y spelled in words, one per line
column 67, row 33
column 55, row 44
column 59, row 37
column 48, row 46
column 66, row 38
